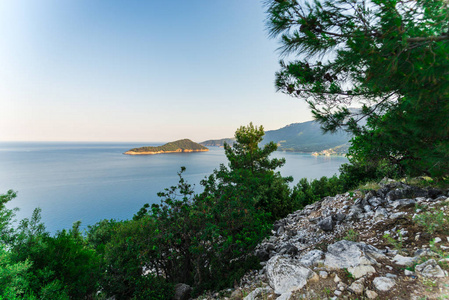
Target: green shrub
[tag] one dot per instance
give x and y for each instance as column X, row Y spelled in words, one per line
column 433, row 221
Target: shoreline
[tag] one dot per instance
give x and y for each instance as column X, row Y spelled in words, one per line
column 163, row 152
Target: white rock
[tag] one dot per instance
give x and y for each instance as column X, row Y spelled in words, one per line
column 361, row 270
column 383, row 283
column 287, row 274
column 430, row 268
column 357, row 287
column 337, row 279
column 258, row 293
column 323, row 274
column 284, row 296
column 311, row 258
column 371, row 294
column 437, row 240
column 404, row 260
column 346, row 254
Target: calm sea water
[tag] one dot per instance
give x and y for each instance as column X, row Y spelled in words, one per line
column 95, row 181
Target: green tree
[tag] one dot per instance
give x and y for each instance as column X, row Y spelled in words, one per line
column 389, row 57
column 252, row 171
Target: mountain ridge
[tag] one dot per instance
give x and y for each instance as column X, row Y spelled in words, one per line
column 297, row 137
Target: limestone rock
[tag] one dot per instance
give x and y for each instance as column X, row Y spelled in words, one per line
column 284, row 296
column 311, row 257
column 327, row 224
column 287, row 274
column 403, row 203
column 383, row 283
column 182, row 291
column 258, row 293
column 371, row 294
column 430, row 268
column 404, row 260
column 347, row 254
column 361, row 270
column 357, row 287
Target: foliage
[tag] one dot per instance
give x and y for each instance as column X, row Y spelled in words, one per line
column 433, row 221
column 397, row 244
column 252, row 172
column 352, row 235
column 389, row 57
column 307, row 192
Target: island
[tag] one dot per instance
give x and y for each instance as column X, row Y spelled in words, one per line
column 180, row 146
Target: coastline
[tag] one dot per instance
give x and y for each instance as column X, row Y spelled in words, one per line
column 162, row 152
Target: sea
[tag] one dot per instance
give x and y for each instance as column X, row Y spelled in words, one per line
column 88, row 182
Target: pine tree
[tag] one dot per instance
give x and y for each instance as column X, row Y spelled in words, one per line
column 390, row 58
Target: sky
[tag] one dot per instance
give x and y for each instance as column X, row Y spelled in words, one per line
column 140, row 70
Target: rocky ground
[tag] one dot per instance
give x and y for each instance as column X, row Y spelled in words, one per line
column 384, row 242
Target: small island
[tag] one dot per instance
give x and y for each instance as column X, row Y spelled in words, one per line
column 180, row 146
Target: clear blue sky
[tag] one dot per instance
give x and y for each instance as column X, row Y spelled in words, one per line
column 106, row 70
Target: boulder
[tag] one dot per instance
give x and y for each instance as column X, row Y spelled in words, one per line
column 430, row 268
column 287, row 274
column 182, row 291
column 347, row 254
column 310, row 258
column 327, row 224
column 259, row 293
column 357, row 287
column 383, row 283
column 381, row 213
column 361, row 270
column 404, row 260
column 403, row 203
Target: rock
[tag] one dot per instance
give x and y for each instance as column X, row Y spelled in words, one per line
column 258, row 293
column 371, row 294
column 326, row 224
column 361, row 270
column 404, row 260
column 289, row 249
column 423, row 252
column 357, row 287
column 403, row 203
column 323, row 274
column 375, row 202
column 337, row 293
column 339, row 217
column 337, row 279
column 284, row 296
column 347, row 254
column 383, row 283
column 237, row 294
column 437, row 240
column 280, row 230
column 397, row 215
column 311, row 258
column 182, row 291
column 408, row 273
column 381, row 213
column 262, row 254
column 430, row 268
column 287, row 274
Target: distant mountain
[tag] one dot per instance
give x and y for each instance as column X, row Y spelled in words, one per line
column 184, row 145
column 298, row 137
column 218, row 143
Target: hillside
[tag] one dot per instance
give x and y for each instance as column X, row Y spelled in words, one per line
column 298, row 137
column 218, row 143
column 184, row 145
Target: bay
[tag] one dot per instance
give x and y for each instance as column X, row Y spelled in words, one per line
column 94, row 181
